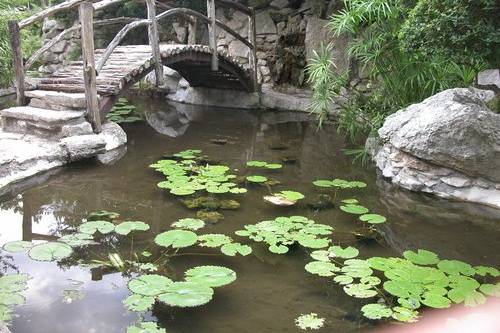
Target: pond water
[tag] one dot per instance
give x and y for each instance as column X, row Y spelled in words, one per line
column 271, row 290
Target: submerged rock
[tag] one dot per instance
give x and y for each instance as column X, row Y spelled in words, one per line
column 208, row 203
column 209, row 216
column 229, row 204
column 323, row 201
column 448, row 145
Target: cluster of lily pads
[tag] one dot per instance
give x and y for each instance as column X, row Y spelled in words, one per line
column 186, row 175
column 284, row 198
column 195, row 290
column 352, row 206
column 264, row 165
column 123, row 112
column 11, row 288
column 404, row 285
column 283, row 232
column 339, row 183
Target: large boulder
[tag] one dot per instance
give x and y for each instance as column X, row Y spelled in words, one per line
column 448, row 145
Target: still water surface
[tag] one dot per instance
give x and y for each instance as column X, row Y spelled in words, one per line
column 271, row 290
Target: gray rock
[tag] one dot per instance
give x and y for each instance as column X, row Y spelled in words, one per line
column 279, row 4
column 83, row 146
column 215, row 97
column 489, row 78
column 59, row 47
column 238, row 49
column 273, row 99
column 41, row 115
column 264, row 23
column 68, row 100
column 452, row 129
column 448, row 145
column 82, row 128
column 113, row 135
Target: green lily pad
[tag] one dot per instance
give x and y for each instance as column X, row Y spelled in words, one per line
column 403, row 289
column 321, row 255
column 17, row 246
column 186, row 294
column 490, row 289
column 292, row 195
column 409, row 303
column 256, row 179
column 354, row 209
column 404, row 315
column 13, row 282
column 456, row 267
column 343, row 279
column 435, row 301
column 50, row 251
column 373, row 218
column 145, row 327
column 11, row 298
column 77, row 240
column 139, row 303
column 213, row 240
column 278, row 249
column 189, row 224
column 421, row 257
column 149, row 285
column 176, row 239
column 323, row 183
column 233, row 249
column 350, row 201
column 309, row 321
column 211, row 276
column 103, row 227
column 256, row 164
column 322, row 268
column 127, row 227
column 474, row 299
column 376, row 311
column 360, row 291
column 182, row 191
column 346, row 253
column 483, row 271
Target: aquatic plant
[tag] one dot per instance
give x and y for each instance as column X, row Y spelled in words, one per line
column 145, row 327
column 339, row 183
column 92, row 227
column 309, row 321
column 196, row 290
column 283, row 232
column 256, row 179
column 50, row 251
column 419, row 279
column 226, row 244
column 284, row 198
column 189, row 224
column 186, row 175
column 103, row 215
column 176, row 239
column 11, row 288
column 265, row 165
column 127, row 227
column 123, row 112
column 352, row 206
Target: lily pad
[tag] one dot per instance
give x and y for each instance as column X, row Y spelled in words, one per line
column 403, row 289
column 291, row 195
column 373, row 218
column 139, row 303
column 322, row 268
column 77, row 240
column 354, row 209
column 456, row 267
column 127, row 227
column 343, row 279
column 145, row 327
column 103, row 227
column 17, row 246
column 404, row 314
column 189, row 224
column 233, row 249
column 490, row 289
column 211, row 276
column 50, row 251
column 483, row 271
column 309, row 321
column 278, row 249
column 435, row 301
column 278, row 200
column 346, row 253
column 421, row 257
column 176, row 239
column 376, row 311
column 360, row 290
column 323, row 183
column 257, row 179
column 149, row 285
column 187, row 294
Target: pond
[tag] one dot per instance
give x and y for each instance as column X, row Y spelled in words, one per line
column 85, row 291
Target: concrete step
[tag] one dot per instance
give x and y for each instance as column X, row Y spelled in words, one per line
column 55, row 100
column 43, row 123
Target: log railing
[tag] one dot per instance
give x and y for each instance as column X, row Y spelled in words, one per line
column 86, row 26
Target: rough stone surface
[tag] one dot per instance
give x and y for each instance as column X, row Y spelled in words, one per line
column 264, row 23
column 215, row 97
column 82, row 128
column 448, row 145
column 83, row 146
column 68, row 100
column 489, row 78
column 41, row 115
column 113, row 135
column 272, row 99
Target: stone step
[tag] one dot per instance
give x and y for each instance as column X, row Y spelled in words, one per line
column 55, row 100
column 48, row 124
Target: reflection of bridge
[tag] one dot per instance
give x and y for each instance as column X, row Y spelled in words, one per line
column 117, row 67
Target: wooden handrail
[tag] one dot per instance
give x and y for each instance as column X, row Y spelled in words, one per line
column 175, row 11
column 49, row 12
column 61, row 36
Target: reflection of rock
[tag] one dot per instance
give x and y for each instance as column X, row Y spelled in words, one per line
column 448, row 145
column 172, row 122
column 112, row 156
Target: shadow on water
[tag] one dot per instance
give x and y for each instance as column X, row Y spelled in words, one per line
column 271, row 290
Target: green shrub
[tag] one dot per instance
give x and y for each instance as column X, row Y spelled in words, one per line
column 465, row 31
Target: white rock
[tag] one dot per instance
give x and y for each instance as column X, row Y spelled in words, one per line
column 83, row 146
column 113, row 135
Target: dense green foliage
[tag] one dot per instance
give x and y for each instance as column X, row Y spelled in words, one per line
column 400, row 71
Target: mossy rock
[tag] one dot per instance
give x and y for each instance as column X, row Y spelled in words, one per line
column 209, row 216
column 229, row 204
column 208, row 203
column 322, row 201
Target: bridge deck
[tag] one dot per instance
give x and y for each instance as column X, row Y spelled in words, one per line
column 130, row 63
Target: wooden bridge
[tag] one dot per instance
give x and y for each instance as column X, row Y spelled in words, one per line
column 95, row 81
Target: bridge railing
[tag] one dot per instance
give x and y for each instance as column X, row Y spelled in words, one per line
column 86, row 10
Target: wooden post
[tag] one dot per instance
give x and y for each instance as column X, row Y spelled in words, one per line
column 154, row 42
column 17, row 54
column 212, row 34
column 89, row 74
column 192, row 31
column 252, row 56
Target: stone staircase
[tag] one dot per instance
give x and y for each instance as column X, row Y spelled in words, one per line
column 49, row 132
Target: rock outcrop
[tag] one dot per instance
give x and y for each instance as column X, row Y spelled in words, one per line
column 447, row 145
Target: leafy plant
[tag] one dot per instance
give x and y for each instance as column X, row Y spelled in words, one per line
column 11, row 288
column 145, row 327
column 283, row 232
column 256, row 179
column 265, row 165
column 176, row 239
column 123, row 112
column 284, row 198
column 127, row 227
column 339, row 183
column 50, row 251
column 309, row 321
column 189, row 224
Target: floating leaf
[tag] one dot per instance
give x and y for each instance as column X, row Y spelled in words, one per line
column 176, row 239
column 189, row 223
column 17, row 246
column 357, row 268
column 490, row 289
column 257, row 179
column 50, row 251
column 322, row 268
column 456, row 267
column 314, row 243
column 403, row 289
column 139, row 303
column 149, row 285
column 474, row 299
column 343, row 279
column 104, row 227
column 435, row 301
column 376, row 311
column 103, row 215
column 279, row 200
column 309, row 321
column 180, row 191
column 186, row 294
column 233, row 249
column 354, row 209
column 146, row 327
column 409, row 303
column 483, row 271
column 360, row 291
column 127, row 227
column 321, row 255
column 323, row 183
column 213, row 240
column 236, row 190
column 404, row 314
column 211, row 276
column 373, row 218
column 292, row 195
column 77, row 240
column 370, row 280
column 350, row 201
column 278, row 249
column 257, row 164
column 347, row 253
column 422, row 257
